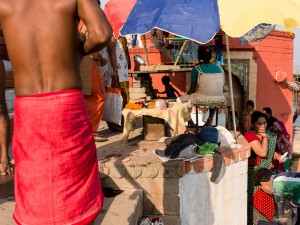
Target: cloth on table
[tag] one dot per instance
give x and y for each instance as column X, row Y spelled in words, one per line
column 56, row 179
column 175, row 116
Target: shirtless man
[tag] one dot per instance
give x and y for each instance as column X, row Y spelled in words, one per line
column 56, row 180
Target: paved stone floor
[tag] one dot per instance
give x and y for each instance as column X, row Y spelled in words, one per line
column 136, row 150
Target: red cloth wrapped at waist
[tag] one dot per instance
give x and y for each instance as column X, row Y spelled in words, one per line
column 56, row 180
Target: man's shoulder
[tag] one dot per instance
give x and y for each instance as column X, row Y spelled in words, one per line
column 210, row 68
column 6, row 6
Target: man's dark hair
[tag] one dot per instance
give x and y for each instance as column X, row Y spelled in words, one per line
column 268, row 110
column 204, row 54
column 250, row 102
column 261, row 175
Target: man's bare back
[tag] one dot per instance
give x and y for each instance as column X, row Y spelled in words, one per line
column 43, row 45
column 44, row 48
column 43, row 42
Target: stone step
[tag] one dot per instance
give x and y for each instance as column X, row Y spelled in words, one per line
column 125, row 209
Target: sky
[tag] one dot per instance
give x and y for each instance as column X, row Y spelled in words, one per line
column 296, row 42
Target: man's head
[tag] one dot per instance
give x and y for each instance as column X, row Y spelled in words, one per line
column 261, row 177
column 250, row 105
column 165, row 80
column 204, row 54
column 267, row 111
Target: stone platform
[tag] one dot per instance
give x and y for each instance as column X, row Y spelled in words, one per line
column 178, row 189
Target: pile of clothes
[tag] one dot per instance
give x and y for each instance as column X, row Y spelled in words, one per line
column 209, row 139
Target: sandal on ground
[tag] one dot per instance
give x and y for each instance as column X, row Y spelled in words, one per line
column 100, row 139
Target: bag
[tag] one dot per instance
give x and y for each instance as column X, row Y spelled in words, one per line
column 209, row 134
column 113, row 106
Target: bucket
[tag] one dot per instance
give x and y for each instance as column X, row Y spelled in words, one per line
column 139, row 59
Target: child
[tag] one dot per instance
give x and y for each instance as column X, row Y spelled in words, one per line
column 285, row 185
column 169, row 90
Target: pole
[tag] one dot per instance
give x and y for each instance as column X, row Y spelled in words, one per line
column 181, row 50
column 145, row 49
column 230, row 85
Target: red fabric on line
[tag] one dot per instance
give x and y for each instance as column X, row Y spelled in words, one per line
column 56, row 179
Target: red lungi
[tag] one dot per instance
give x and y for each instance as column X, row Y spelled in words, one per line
column 56, row 179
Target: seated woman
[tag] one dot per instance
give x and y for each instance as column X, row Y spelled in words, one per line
column 207, row 82
column 262, row 143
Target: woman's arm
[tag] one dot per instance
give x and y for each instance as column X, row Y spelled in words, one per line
column 260, row 149
column 277, row 156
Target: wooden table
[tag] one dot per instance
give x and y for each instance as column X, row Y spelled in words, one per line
column 175, row 116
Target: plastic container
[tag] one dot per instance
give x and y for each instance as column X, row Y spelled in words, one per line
column 139, row 59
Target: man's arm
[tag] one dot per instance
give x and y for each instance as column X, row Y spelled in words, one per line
column 111, row 48
column 6, row 167
column 98, row 27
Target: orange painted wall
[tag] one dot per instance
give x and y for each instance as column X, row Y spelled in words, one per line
column 275, row 53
